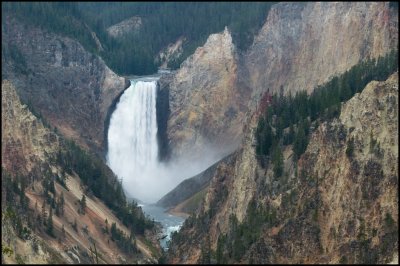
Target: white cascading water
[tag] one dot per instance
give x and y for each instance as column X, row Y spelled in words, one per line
column 133, row 148
column 132, row 136
column 133, row 151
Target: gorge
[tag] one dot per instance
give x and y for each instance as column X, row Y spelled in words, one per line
column 273, row 138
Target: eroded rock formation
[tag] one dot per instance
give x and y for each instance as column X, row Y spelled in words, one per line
column 71, row 88
column 300, row 46
column 339, row 205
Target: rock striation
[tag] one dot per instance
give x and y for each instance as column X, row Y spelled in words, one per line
column 71, row 88
column 205, row 104
column 172, row 52
column 340, row 204
column 300, row 46
column 126, row 26
column 25, row 141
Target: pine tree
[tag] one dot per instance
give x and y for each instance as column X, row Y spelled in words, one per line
column 277, row 160
column 52, row 188
column 61, row 202
column 83, row 204
column 75, row 225
column 220, row 250
column 205, row 256
column 50, row 223
column 57, row 208
column 44, row 214
column 300, row 142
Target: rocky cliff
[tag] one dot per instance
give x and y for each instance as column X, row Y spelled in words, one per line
column 69, row 87
column 340, row 204
column 172, row 52
column 189, row 187
column 205, row 104
column 130, row 25
column 29, row 154
column 300, row 46
column 25, row 141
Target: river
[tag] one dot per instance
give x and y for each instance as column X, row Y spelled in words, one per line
column 170, row 223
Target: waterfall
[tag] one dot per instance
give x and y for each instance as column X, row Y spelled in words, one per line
column 133, row 148
column 132, row 136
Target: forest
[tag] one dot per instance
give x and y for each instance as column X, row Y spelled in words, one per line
column 286, row 119
column 163, row 23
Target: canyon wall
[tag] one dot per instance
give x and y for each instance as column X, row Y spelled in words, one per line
column 300, row 46
column 340, row 204
column 69, row 87
column 206, row 105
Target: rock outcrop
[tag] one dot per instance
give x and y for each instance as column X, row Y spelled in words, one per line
column 188, row 187
column 172, row 52
column 71, row 88
column 339, row 205
column 206, row 105
column 304, row 44
column 300, row 46
column 25, row 141
column 130, row 25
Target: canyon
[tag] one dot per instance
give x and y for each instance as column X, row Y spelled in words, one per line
column 217, row 88
column 337, row 203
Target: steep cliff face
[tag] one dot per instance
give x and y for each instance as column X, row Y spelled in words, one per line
column 71, row 88
column 340, row 204
column 300, row 46
column 205, row 103
column 126, row 26
column 172, row 52
column 29, row 152
column 25, row 141
column 189, row 187
column 353, row 160
column 303, row 44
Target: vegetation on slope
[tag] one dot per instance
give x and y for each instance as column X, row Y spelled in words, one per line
column 163, row 23
column 59, row 17
column 287, row 119
column 103, row 184
column 324, row 104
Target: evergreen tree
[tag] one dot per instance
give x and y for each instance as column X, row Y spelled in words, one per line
column 205, row 255
column 50, row 223
column 300, row 141
column 62, row 202
column 44, row 214
column 83, row 204
column 57, row 208
column 75, row 225
column 106, row 229
column 277, row 160
column 220, row 250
